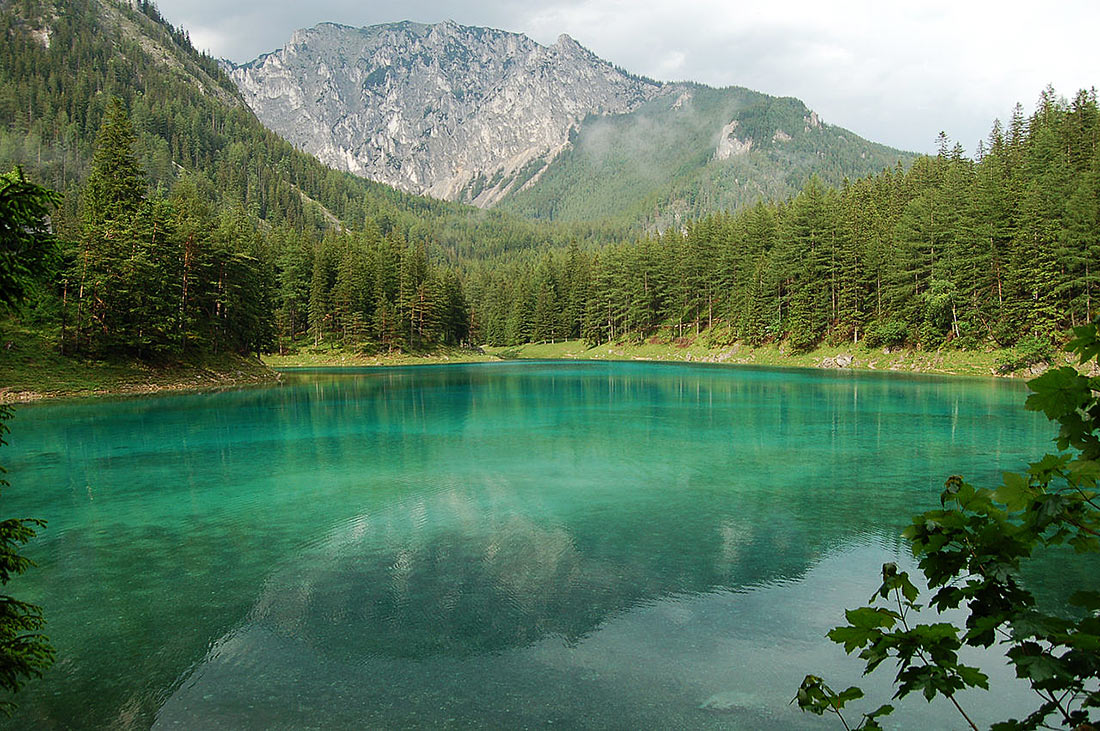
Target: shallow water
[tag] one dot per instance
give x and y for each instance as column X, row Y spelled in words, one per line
column 613, row 545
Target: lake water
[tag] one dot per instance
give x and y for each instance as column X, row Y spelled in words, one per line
column 612, row 545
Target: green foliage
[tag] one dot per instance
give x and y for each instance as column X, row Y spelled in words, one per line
column 971, row 552
column 1030, row 350
column 24, row 651
column 891, row 333
column 153, row 277
column 28, row 249
column 815, row 696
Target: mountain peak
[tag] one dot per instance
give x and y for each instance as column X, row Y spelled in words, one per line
column 450, row 110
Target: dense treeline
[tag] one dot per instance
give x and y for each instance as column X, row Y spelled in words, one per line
column 152, row 275
column 159, row 275
column 952, row 250
column 366, row 291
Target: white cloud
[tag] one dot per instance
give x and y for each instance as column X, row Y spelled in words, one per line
column 894, row 72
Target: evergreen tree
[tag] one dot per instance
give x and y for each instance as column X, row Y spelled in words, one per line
column 112, row 226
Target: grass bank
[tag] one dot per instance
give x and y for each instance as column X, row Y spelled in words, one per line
column 952, row 362
column 326, row 357
column 32, row 369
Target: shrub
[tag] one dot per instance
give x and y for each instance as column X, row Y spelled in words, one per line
column 890, row 333
column 1029, row 351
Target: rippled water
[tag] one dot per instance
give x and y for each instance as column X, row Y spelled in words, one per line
column 616, row 545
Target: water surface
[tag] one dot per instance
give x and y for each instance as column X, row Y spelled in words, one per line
column 614, row 545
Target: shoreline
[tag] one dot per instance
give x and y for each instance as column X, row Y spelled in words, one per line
column 977, row 364
column 50, row 381
column 133, row 379
column 337, row 358
column 982, row 364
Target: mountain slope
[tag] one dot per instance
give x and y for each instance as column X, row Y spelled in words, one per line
column 693, row 150
column 430, row 108
column 489, row 117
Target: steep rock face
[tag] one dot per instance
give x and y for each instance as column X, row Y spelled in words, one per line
column 460, row 113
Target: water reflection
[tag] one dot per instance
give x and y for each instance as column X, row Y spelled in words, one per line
column 721, row 658
column 504, row 544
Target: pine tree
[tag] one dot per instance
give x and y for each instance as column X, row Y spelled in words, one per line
column 320, row 315
column 574, row 285
column 545, row 316
column 116, row 185
column 810, row 235
column 413, row 295
column 192, row 223
column 456, row 314
column 110, row 233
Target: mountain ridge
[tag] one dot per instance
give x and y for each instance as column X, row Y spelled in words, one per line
column 480, row 115
column 429, row 107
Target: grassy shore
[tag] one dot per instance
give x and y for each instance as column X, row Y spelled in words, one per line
column 330, row 357
column 953, row 362
column 31, row 368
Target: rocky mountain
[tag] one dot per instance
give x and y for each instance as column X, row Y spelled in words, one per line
column 453, row 111
column 490, row 117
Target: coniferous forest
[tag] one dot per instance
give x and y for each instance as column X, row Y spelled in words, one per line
column 953, row 250
column 186, row 226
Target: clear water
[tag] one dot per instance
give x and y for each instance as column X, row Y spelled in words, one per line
column 612, row 545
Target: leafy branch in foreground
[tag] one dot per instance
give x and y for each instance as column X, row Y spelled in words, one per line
column 970, row 553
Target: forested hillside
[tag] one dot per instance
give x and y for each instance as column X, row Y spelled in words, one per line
column 953, row 250
column 692, row 151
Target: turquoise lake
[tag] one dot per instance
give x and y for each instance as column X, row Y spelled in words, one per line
column 606, row 545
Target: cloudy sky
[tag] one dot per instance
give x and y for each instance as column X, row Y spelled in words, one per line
column 895, row 72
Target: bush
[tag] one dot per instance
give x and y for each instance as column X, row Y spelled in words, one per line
column 1029, row 351
column 886, row 334
column 24, row 651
